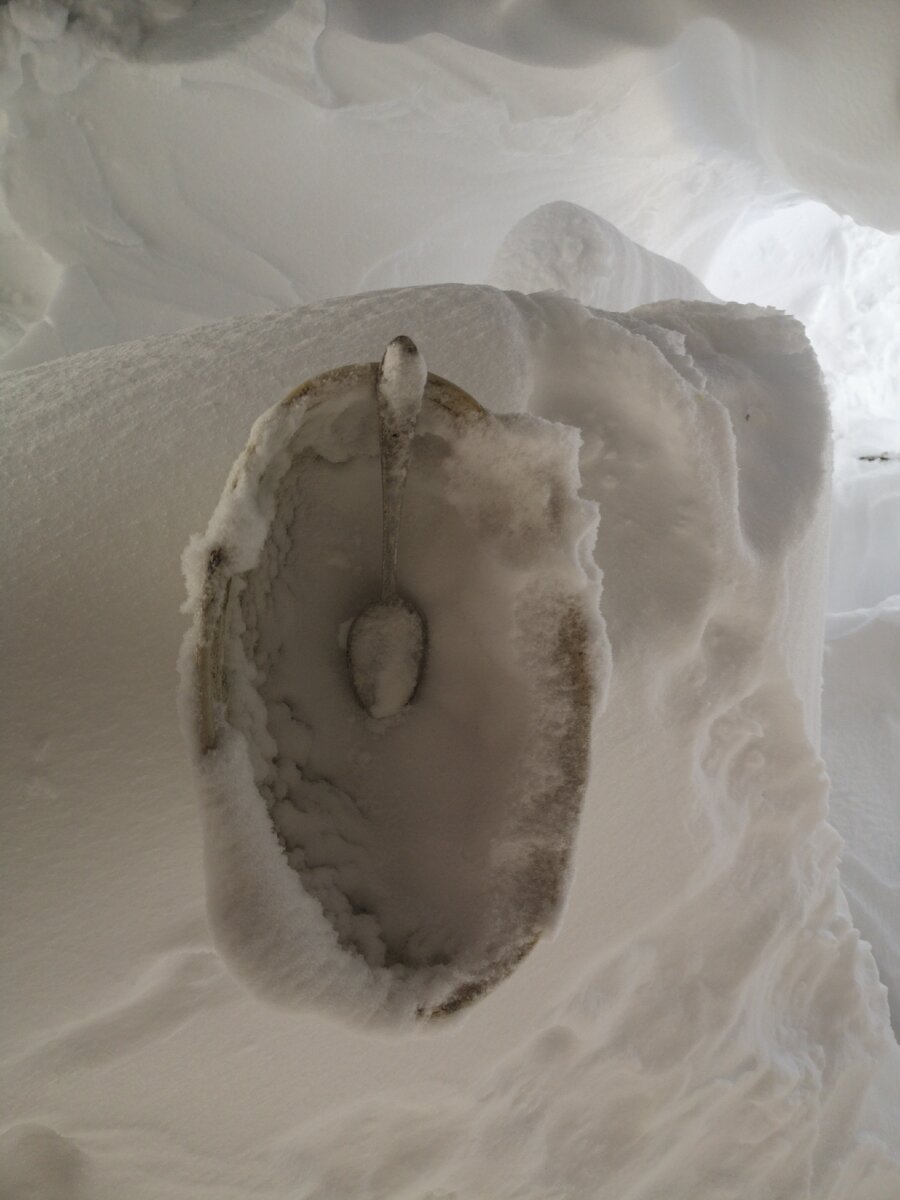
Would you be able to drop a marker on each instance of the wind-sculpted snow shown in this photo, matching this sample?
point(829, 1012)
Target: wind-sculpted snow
point(138, 218)
point(818, 78)
point(563, 247)
point(37, 1161)
point(861, 700)
point(705, 1022)
point(843, 281)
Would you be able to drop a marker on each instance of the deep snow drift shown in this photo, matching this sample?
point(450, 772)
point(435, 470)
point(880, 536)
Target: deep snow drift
point(706, 1018)
point(692, 1030)
point(818, 99)
point(425, 153)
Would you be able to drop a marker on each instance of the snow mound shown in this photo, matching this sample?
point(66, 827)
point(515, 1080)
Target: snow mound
point(705, 1013)
point(63, 39)
point(564, 247)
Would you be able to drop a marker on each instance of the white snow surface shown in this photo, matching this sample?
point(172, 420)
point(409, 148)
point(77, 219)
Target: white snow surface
point(385, 648)
point(707, 1008)
point(564, 248)
point(706, 1022)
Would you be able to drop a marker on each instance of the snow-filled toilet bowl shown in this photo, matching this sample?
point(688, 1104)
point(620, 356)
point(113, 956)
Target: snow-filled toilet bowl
point(385, 870)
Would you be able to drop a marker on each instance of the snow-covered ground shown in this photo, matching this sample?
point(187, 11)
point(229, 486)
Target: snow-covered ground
point(706, 1020)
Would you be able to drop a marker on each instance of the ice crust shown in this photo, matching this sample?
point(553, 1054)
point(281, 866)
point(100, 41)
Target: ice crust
point(706, 1013)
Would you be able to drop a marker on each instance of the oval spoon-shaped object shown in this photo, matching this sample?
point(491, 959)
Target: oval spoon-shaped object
point(386, 643)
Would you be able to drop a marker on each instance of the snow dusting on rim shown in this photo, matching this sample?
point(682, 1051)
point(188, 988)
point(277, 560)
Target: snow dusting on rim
point(706, 1019)
point(331, 884)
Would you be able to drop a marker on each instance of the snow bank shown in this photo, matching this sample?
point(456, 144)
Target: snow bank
point(658, 1045)
point(862, 698)
point(705, 1014)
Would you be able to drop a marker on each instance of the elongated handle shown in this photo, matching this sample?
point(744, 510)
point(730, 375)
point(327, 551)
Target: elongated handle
point(400, 388)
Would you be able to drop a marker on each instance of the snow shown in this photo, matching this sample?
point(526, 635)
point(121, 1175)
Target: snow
point(386, 654)
point(840, 279)
point(691, 961)
point(401, 379)
point(817, 102)
point(700, 1016)
point(386, 642)
point(563, 247)
point(862, 667)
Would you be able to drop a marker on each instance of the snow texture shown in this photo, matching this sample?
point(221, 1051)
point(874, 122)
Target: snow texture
point(564, 247)
point(818, 86)
point(706, 1012)
point(386, 655)
point(705, 1021)
point(66, 36)
point(160, 224)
